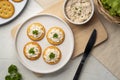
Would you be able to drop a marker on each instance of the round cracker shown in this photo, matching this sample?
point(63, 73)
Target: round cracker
point(53, 42)
point(6, 9)
point(32, 37)
point(38, 46)
point(52, 47)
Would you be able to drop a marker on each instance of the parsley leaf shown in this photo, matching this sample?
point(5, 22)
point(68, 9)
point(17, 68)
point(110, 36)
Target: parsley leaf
point(13, 73)
point(35, 32)
point(12, 68)
point(55, 35)
point(52, 55)
point(31, 51)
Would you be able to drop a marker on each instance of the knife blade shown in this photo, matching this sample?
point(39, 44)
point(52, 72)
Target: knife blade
point(87, 50)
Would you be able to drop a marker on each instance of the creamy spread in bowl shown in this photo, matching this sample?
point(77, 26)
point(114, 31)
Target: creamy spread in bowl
point(78, 11)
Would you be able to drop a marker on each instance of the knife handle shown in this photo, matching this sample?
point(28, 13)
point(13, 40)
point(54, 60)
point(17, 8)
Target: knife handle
point(77, 74)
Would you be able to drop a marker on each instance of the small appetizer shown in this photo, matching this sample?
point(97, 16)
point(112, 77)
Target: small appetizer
point(36, 31)
point(32, 50)
point(55, 35)
point(52, 55)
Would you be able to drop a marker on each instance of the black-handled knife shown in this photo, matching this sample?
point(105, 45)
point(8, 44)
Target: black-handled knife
point(88, 48)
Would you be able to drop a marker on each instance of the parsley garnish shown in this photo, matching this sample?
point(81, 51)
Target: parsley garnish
point(31, 51)
point(55, 35)
point(52, 55)
point(13, 73)
point(35, 32)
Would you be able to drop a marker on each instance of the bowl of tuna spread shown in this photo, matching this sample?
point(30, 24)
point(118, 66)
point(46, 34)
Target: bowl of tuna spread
point(78, 11)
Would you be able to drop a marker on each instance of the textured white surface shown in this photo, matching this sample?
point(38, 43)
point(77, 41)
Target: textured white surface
point(93, 70)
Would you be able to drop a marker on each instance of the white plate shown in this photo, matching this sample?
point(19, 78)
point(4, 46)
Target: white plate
point(19, 6)
point(66, 47)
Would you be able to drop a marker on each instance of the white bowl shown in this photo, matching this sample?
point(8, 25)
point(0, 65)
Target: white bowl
point(64, 12)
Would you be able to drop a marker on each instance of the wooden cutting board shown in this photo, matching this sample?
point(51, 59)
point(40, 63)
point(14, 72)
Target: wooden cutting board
point(81, 33)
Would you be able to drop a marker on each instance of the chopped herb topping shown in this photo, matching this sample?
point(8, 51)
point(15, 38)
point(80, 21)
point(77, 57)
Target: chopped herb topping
point(55, 35)
point(31, 51)
point(52, 55)
point(76, 8)
point(35, 32)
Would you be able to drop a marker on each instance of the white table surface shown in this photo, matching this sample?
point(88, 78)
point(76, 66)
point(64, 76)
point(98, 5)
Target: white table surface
point(93, 70)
